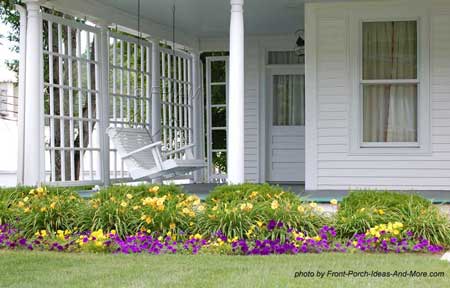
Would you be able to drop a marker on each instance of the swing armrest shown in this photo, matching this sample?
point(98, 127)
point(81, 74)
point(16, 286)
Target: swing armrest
point(128, 155)
point(179, 149)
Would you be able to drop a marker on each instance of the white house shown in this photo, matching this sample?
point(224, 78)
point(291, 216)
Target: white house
point(367, 106)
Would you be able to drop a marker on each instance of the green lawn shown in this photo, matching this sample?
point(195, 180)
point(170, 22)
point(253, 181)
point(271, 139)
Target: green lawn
point(44, 269)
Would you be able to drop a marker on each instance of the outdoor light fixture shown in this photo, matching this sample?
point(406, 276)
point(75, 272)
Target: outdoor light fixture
point(300, 43)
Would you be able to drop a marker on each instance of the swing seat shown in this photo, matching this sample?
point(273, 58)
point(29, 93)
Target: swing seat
point(145, 159)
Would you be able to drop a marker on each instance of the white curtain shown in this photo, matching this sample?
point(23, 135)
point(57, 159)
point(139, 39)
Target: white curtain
point(390, 110)
point(288, 100)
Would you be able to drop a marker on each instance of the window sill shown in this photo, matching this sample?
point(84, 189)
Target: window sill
point(387, 145)
point(411, 149)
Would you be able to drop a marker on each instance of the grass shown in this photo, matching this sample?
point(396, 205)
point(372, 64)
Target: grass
point(47, 269)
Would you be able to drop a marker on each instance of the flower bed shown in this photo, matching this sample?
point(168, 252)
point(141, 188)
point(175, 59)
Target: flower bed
point(152, 243)
point(246, 219)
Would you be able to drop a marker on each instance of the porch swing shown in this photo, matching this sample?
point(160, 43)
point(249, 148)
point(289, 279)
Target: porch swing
point(143, 157)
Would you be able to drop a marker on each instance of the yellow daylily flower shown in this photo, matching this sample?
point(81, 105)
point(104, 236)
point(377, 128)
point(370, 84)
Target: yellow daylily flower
point(275, 204)
point(154, 189)
point(129, 196)
point(246, 207)
point(253, 194)
point(333, 202)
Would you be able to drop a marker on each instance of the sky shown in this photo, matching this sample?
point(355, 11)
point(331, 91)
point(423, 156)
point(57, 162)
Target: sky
point(6, 54)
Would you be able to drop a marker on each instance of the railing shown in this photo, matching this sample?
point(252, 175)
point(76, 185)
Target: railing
point(8, 107)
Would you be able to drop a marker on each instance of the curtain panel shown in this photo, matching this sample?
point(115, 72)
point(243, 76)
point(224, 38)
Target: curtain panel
point(288, 100)
point(389, 53)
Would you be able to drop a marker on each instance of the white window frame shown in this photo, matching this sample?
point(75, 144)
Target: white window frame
point(211, 175)
point(423, 144)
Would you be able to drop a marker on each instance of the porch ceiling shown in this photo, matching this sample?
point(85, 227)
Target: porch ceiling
point(195, 19)
point(208, 18)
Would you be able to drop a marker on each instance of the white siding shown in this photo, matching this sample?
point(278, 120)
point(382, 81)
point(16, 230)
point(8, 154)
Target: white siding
point(334, 164)
point(251, 111)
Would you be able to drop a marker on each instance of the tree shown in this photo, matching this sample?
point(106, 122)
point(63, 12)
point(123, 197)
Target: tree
point(10, 16)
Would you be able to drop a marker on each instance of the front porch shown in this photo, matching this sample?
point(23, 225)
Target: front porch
point(110, 64)
point(298, 98)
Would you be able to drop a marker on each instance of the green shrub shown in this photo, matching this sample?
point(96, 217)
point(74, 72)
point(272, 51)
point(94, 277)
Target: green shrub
point(360, 211)
point(244, 210)
point(129, 209)
point(230, 193)
point(43, 209)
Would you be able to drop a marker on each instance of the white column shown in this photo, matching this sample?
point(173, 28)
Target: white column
point(21, 102)
point(235, 149)
point(156, 95)
point(156, 92)
point(33, 115)
point(103, 44)
point(197, 112)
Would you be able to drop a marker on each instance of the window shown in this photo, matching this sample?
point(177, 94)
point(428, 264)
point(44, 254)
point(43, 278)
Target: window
point(284, 58)
point(288, 100)
point(390, 82)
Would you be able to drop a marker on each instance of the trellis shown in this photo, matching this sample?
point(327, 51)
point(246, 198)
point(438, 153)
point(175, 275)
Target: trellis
point(71, 95)
point(176, 95)
point(78, 60)
point(130, 89)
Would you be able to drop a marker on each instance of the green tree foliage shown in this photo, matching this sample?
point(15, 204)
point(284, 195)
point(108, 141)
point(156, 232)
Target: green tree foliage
point(10, 17)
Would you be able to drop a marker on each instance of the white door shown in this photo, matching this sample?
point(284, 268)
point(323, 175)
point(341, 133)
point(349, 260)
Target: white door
point(286, 141)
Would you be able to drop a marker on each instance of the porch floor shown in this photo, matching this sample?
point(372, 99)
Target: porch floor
point(320, 196)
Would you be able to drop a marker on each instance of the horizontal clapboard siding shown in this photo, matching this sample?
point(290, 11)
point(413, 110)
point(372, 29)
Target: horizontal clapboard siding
point(251, 112)
point(337, 167)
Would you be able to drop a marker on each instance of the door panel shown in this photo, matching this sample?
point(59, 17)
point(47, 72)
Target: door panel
point(287, 130)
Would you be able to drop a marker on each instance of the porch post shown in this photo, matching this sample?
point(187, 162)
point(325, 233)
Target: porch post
point(33, 141)
point(196, 113)
point(235, 149)
point(103, 55)
point(21, 102)
point(156, 95)
point(156, 92)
